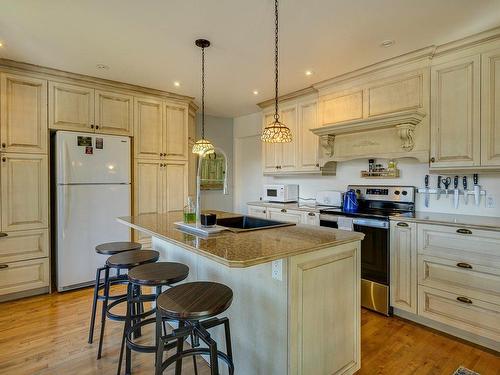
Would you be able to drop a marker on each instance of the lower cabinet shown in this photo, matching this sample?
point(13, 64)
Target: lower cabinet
point(284, 214)
point(24, 275)
point(403, 266)
point(448, 275)
point(22, 245)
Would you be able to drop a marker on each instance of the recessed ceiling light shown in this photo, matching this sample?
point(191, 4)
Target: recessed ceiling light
point(387, 43)
point(309, 73)
point(1, 44)
point(255, 92)
point(177, 83)
point(102, 67)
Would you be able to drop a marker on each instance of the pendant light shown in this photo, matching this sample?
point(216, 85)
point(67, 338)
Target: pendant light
point(203, 146)
point(276, 132)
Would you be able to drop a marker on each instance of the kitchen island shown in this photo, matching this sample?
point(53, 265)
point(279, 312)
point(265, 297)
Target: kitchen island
point(296, 306)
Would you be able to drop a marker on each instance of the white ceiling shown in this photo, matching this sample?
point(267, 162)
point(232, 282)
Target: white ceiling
point(151, 43)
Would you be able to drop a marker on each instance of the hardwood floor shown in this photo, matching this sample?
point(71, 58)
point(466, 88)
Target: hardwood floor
point(48, 335)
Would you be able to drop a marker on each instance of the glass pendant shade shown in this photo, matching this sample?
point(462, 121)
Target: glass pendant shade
point(203, 147)
point(276, 132)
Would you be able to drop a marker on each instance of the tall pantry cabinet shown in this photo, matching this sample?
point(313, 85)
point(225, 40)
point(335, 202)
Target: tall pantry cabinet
point(24, 184)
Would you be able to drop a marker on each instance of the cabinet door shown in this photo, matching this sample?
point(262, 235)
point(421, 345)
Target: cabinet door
point(257, 211)
point(114, 113)
point(24, 181)
point(403, 261)
point(490, 104)
point(310, 218)
point(71, 107)
point(308, 141)
point(23, 114)
point(147, 190)
point(270, 151)
point(148, 128)
point(176, 131)
point(175, 190)
point(455, 113)
point(289, 150)
point(285, 215)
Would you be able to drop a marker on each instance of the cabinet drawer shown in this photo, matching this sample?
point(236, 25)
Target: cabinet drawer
point(461, 244)
point(257, 211)
point(473, 280)
point(478, 317)
point(24, 245)
point(286, 215)
point(20, 276)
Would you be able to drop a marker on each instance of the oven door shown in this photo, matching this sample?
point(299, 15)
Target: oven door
point(374, 264)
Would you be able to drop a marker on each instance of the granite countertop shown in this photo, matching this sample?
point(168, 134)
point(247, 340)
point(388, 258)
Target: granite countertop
point(311, 207)
point(242, 249)
point(472, 221)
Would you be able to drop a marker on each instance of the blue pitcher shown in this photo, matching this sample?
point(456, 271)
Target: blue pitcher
point(350, 201)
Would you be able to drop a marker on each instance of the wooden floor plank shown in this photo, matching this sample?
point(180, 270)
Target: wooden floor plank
point(47, 335)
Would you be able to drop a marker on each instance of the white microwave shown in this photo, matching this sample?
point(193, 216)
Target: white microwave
point(281, 193)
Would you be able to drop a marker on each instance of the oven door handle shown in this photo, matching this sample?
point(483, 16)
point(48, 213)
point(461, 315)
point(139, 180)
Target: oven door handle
point(372, 223)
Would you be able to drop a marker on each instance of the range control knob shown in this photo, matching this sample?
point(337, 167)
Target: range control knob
point(358, 191)
point(396, 192)
point(404, 192)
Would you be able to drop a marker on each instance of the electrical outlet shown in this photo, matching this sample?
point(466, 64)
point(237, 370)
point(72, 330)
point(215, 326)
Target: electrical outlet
point(490, 201)
point(277, 269)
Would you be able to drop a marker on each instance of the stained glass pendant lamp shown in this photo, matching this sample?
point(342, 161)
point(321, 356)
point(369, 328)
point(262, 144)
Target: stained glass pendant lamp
point(203, 146)
point(276, 132)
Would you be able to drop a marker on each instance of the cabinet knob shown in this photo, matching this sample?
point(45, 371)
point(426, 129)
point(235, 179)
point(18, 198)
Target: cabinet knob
point(464, 265)
point(263, 211)
point(311, 214)
point(433, 159)
point(464, 300)
point(4, 159)
point(317, 165)
point(464, 231)
point(283, 210)
point(91, 126)
point(4, 266)
point(4, 145)
point(401, 224)
point(3, 234)
point(97, 126)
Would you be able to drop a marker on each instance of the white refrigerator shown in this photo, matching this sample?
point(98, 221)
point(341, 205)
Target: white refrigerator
point(92, 190)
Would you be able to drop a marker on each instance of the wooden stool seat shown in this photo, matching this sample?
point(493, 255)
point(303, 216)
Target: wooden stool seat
point(160, 273)
point(195, 301)
point(130, 259)
point(112, 248)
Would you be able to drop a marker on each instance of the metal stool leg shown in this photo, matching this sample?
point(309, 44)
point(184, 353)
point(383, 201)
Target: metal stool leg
point(214, 359)
point(229, 350)
point(195, 365)
point(104, 310)
point(159, 345)
point(125, 328)
point(180, 345)
point(94, 304)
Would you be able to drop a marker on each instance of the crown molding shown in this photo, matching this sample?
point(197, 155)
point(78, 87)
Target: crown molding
point(289, 96)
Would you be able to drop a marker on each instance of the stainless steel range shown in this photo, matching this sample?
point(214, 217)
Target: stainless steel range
point(376, 205)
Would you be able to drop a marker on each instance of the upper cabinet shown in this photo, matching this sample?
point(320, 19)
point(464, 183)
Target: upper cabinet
point(300, 155)
point(490, 108)
point(114, 113)
point(161, 129)
point(465, 101)
point(148, 128)
point(83, 108)
point(23, 112)
point(71, 107)
point(176, 131)
point(455, 112)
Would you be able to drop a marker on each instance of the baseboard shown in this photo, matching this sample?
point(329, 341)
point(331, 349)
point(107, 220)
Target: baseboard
point(464, 335)
point(24, 294)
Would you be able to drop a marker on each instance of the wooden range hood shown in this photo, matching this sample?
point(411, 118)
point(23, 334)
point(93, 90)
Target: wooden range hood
point(391, 136)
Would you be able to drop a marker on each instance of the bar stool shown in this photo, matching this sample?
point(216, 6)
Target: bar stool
point(108, 248)
point(194, 305)
point(122, 261)
point(153, 275)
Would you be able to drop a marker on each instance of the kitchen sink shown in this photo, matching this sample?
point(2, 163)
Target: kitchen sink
point(248, 223)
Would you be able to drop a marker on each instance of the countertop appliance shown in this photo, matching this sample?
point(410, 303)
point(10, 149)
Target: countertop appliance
point(376, 205)
point(282, 193)
point(331, 198)
point(92, 189)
